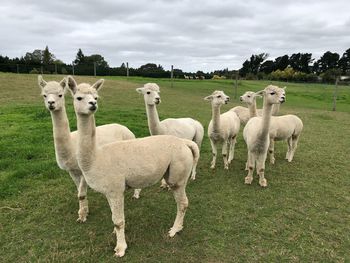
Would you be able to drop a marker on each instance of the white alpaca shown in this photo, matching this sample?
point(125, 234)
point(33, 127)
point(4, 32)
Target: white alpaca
point(185, 128)
point(138, 163)
point(223, 128)
point(244, 114)
point(66, 141)
point(286, 127)
point(256, 134)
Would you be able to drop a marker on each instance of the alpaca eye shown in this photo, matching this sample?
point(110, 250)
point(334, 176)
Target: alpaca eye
point(79, 98)
point(248, 96)
point(60, 95)
point(273, 93)
point(148, 92)
point(96, 98)
point(44, 96)
point(219, 96)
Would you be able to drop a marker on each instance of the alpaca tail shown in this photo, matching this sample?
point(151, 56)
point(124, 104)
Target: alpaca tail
point(195, 152)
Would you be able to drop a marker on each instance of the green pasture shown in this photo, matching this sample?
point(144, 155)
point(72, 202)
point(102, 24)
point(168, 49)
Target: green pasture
point(302, 216)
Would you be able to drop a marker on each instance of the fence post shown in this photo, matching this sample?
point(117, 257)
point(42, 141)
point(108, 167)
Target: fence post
point(56, 69)
point(335, 94)
point(172, 75)
point(73, 68)
point(17, 68)
point(41, 69)
point(127, 69)
point(95, 69)
point(235, 84)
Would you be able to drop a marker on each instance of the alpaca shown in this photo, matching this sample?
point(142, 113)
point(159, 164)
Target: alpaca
point(111, 168)
point(243, 113)
point(256, 134)
point(223, 128)
point(286, 127)
point(66, 142)
point(185, 128)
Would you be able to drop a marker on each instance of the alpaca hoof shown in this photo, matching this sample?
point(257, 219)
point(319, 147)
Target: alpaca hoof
point(172, 232)
point(212, 166)
point(248, 180)
point(164, 186)
point(290, 160)
point(272, 161)
point(82, 217)
point(136, 196)
point(120, 251)
point(226, 167)
point(193, 177)
point(263, 182)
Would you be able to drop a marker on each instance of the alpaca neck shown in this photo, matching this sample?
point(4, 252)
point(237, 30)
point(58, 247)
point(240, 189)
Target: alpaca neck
point(275, 109)
point(252, 109)
point(87, 141)
point(61, 134)
point(216, 118)
point(153, 120)
point(266, 119)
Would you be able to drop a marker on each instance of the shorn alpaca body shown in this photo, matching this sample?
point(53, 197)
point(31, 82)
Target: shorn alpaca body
point(286, 127)
point(256, 134)
point(185, 128)
point(138, 163)
point(223, 128)
point(66, 142)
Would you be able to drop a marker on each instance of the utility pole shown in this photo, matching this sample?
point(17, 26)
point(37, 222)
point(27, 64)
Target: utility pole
point(95, 69)
point(172, 75)
point(73, 68)
point(335, 94)
point(56, 69)
point(17, 68)
point(235, 83)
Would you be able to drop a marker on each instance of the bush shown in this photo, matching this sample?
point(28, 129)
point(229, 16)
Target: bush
point(34, 71)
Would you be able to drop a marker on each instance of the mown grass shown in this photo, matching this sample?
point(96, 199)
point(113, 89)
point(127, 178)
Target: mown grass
point(303, 215)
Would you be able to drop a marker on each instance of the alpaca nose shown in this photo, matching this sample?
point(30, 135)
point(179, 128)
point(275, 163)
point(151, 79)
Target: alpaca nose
point(240, 98)
point(227, 98)
point(93, 103)
point(51, 102)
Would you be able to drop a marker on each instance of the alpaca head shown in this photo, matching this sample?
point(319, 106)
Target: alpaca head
point(249, 97)
point(273, 94)
point(218, 98)
point(53, 93)
point(150, 93)
point(84, 95)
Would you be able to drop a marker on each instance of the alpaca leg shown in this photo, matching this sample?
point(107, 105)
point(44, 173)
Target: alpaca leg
point(116, 203)
point(272, 151)
point(215, 152)
point(137, 193)
point(289, 142)
point(250, 164)
point(193, 173)
point(225, 147)
point(182, 204)
point(232, 149)
point(260, 169)
point(81, 185)
point(163, 184)
point(294, 147)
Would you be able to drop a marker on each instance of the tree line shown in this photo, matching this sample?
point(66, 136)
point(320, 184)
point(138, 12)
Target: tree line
point(43, 61)
point(297, 67)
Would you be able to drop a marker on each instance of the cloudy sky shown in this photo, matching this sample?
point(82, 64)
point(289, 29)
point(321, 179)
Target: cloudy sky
point(191, 35)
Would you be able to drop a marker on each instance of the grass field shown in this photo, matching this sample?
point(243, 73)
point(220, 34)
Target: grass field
point(303, 215)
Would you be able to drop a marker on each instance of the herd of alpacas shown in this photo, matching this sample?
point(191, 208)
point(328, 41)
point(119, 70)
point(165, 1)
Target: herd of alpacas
point(109, 159)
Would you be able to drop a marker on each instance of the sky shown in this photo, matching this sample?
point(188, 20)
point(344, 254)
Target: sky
point(191, 35)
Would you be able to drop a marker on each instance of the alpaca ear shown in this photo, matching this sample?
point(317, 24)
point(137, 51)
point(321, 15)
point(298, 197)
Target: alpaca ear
point(260, 93)
point(257, 95)
point(284, 88)
point(63, 83)
point(139, 90)
point(98, 84)
point(42, 83)
point(72, 85)
point(208, 98)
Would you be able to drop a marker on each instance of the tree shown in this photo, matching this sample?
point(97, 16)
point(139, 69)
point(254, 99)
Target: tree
point(301, 62)
point(34, 58)
point(344, 62)
point(47, 56)
point(267, 67)
point(253, 65)
point(282, 62)
point(80, 58)
point(98, 59)
point(328, 61)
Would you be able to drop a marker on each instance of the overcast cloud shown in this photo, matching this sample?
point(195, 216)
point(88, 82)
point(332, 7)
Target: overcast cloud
point(191, 35)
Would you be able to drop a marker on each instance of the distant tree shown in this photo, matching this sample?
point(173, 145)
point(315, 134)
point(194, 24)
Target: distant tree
point(34, 58)
point(267, 67)
point(149, 67)
point(47, 56)
point(282, 62)
point(344, 62)
point(328, 61)
point(253, 64)
point(80, 58)
point(301, 62)
point(98, 59)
